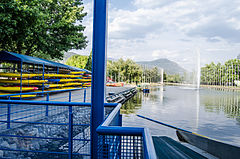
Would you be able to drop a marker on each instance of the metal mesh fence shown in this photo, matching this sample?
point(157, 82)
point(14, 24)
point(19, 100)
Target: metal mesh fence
point(41, 131)
point(124, 147)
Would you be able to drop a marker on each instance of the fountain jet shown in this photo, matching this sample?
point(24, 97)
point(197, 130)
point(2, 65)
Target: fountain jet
point(198, 69)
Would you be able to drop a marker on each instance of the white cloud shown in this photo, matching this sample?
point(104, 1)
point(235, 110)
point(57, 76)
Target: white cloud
point(151, 29)
point(151, 3)
point(164, 54)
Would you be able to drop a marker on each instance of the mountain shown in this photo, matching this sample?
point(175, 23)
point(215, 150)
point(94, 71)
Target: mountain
point(169, 67)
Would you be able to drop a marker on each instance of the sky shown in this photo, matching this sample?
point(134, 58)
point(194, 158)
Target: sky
point(144, 30)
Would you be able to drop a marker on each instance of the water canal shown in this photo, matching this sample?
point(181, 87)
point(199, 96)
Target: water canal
point(210, 112)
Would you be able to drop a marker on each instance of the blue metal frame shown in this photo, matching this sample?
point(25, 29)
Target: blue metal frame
point(99, 127)
point(70, 124)
point(55, 103)
point(112, 127)
point(45, 92)
point(98, 70)
point(21, 79)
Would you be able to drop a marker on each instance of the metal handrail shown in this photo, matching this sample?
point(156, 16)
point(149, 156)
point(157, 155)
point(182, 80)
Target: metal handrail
point(106, 129)
point(55, 103)
point(29, 93)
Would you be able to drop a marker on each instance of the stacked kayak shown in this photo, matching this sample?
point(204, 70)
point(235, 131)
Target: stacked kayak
point(14, 83)
point(17, 88)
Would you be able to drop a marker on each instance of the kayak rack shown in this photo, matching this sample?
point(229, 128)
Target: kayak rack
point(21, 73)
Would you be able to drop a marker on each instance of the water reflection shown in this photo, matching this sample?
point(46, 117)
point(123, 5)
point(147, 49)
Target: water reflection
point(197, 108)
point(208, 112)
point(227, 102)
point(133, 104)
point(155, 95)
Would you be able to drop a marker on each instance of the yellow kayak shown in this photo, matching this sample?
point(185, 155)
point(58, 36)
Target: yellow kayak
point(17, 89)
point(62, 85)
point(76, 73)
point(23, 81)
point(23, 96)
point(18, 75)
point(61, 76)
point(87, 85)
point(52, 85)
point(57, 89)
point(71, 84)
point(72, 80)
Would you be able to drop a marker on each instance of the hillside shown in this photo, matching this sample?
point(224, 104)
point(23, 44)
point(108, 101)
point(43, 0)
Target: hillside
point(68, 55)
point(169, 67)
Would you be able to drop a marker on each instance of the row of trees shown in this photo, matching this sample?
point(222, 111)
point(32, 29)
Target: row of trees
point(42, 28)
point(221, 74)
point(130, 72)
point(176, 78)
point(124, 71)
point(120, 70)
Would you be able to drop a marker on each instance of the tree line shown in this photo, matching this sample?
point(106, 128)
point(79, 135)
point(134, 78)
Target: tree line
point(131, 72)
point(221, 74)
point(120, 70)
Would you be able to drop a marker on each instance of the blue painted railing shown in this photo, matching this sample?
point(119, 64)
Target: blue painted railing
point(41, 93)
point(113, 140)
point(61, 114)
point(116, 141)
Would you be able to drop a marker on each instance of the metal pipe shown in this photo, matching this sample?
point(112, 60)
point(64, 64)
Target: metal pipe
point(43, 78)
point(84, 95)
point(47, 105)
point(28, 93)
point(55, 103)
point(9, 116)
point(70, 134)
point(21, 80)
point(98, 70)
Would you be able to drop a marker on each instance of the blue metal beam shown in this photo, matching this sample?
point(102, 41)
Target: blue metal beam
point(106, 129)
point(98, 70)
point(28, 93)
point(56, 103)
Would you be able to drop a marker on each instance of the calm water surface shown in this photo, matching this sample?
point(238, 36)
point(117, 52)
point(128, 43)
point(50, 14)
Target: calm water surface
point(210, 112)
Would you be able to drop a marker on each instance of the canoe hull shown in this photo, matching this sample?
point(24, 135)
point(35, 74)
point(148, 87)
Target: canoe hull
point(214, 147)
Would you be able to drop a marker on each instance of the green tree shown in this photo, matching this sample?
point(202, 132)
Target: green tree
point(43, 28)
point(221, 74)
point(127, 71)
point(77, 61)
point(89, 62)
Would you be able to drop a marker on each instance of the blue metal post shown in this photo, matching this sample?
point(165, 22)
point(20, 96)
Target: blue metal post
point(98, 71)
point(70, 96)
point(84, 95)
point(70, 135)
point(9, 115)
point(47, 105)
point(57, 73)
point(70, 129)
point(21, 80)
point(43, 78)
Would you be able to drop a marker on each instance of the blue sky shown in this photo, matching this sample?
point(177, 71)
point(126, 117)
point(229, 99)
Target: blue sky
point(173, 29)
